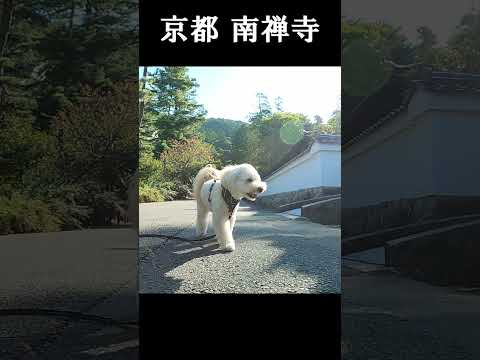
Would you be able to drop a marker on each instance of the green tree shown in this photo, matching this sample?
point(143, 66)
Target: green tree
point(146, 118)
point(333, 125)
point(171, 175)
point(426, 41)
point(219, 133)
point(263, 104)
point(173, 112)
point(368, 49)
point(386, 39)
point(247, 146)
point(463, 53)
point(266, 139)
point(50, 50)
point(280, 131)
point(263, 109)
point(97, 137)
point(278, 104)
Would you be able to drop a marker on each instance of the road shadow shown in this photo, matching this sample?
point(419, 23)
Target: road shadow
point(308, 257)
point(302, 250)
point(156, 261)
point(316, 260)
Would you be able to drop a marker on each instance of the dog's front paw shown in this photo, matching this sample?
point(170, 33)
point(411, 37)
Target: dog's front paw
point(229, 247)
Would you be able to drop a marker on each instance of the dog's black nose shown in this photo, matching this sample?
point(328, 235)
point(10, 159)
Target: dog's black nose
point(260, 189)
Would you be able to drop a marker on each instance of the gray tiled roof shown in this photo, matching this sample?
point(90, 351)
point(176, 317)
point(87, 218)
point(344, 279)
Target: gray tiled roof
point(394, 97)
point(440, 81)
point(328, 139)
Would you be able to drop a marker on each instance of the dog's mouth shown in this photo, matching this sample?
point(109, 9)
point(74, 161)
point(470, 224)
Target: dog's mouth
point(252, 195)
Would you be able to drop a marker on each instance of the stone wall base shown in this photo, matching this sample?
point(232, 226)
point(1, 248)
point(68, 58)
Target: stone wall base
point(326, 212)
point(446, 256)
point(402, 212)
point(276, 200)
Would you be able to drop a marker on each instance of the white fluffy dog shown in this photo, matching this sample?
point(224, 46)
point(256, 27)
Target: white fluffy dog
point(219, 192)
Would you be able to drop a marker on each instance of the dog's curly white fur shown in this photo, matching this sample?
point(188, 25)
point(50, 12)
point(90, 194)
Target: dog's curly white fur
point(243, 181)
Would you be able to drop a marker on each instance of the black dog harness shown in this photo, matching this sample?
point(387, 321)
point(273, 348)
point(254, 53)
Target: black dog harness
point(227, 197)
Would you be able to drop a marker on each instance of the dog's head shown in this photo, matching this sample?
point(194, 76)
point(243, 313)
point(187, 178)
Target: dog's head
point(243, 181)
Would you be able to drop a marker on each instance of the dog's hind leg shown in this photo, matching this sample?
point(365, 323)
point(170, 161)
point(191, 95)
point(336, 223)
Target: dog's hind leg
point(202, 219)
point(223, 231)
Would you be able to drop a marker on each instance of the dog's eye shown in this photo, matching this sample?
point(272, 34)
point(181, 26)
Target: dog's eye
point(249, 180)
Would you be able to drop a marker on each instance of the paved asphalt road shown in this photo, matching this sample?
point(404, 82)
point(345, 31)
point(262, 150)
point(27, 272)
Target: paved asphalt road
point(69, 295)
point(388, 316)
point(274, 254)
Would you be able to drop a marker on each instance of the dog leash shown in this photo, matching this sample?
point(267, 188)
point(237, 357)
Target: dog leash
point(173, 237)
point(231, 202)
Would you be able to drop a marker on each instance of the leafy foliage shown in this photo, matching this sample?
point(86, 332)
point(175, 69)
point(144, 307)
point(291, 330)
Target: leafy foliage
point(20, 213)
point(370, 48)
point(170, 153)
point(170, 176)
point(332, 126)
point(148, 193)
point(171, 112)
point(154, 186)
point(267, 138)
point(219, 133)
point(99, 133)
point(462, 52)
point(183, 161)
point(67, 146)
point(97, 136)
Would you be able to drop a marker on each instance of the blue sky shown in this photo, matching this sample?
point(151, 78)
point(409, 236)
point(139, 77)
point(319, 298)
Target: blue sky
point(230, 92)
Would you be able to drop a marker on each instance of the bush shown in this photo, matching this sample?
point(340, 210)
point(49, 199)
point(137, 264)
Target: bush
point(182, 161)
point(20, 214)
point(65, 202)
point(148, 193)
point(97, 138)
point(154, 186)
point(170, 177)
point(151, 171)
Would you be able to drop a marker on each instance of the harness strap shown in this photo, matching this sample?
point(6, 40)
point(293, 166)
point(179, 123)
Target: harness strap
point(230, 201)
point(227, 197)
point(210, 191)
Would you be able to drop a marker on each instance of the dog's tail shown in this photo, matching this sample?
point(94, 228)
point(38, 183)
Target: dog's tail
point(206, 173)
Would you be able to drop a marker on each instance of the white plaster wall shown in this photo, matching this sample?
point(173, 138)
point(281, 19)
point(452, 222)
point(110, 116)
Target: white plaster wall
point(392, 163)
point(456, 145)
point(433, 148)
point(320, 168)
point(332, 168)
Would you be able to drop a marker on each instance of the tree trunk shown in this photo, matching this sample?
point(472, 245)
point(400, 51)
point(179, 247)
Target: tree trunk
point(6, 22)
point(142, 99)
point(72, 15)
